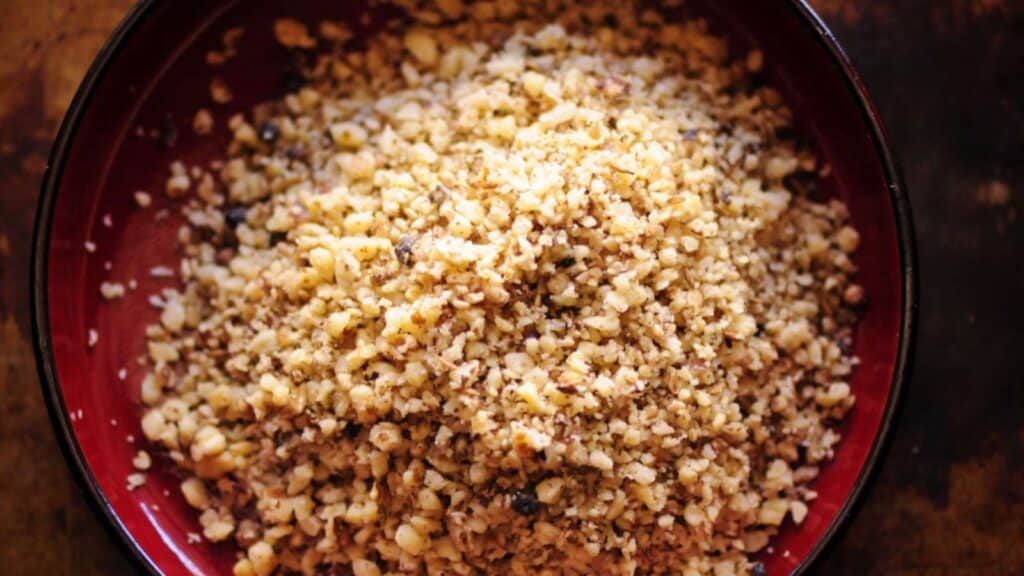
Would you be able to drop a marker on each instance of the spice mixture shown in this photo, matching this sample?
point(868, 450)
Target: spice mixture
point(512, 288)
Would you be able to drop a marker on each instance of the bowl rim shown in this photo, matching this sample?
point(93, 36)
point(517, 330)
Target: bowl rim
point(39, 297)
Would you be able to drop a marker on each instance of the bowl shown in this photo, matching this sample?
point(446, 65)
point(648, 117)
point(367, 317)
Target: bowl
point(131, 118)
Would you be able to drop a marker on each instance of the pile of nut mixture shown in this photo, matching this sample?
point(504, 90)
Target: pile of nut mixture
point(528, 287)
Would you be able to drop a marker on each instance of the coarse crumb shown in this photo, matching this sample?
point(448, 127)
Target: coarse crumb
point(510, 290)
point(219, 91)
point(112, 290)
point(202, 122)
point(92, 337)
point(142, 199)
point(135, 481)
point(179, 182)
point(337, 32)
point(90, 246)
point(230, 40)
point(291, 33)
point(142, 460)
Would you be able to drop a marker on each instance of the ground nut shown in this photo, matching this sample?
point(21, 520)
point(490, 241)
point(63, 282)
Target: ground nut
point(848, 239)
point(262, 557)
point(195, 493)
point(530, 288)
point(773, 512)
point(422, 46)
point(173, 315)
point(208, 441)
point(410, 540)
point(386, 436)
point(150, 390)
point(550, 490)
point(153, 425)
point(362, 567)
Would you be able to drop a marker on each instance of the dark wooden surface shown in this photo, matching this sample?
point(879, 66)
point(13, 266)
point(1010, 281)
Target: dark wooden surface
point(948, 77)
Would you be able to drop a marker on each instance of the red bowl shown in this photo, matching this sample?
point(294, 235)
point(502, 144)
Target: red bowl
point(151, 75)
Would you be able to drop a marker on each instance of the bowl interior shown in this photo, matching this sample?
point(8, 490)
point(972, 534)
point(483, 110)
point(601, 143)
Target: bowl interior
point(157, 78)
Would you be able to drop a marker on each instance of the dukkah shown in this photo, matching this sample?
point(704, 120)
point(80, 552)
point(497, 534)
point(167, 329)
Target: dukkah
point(513, 288)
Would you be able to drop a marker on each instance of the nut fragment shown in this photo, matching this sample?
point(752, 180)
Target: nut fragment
point(112, 290)
point(853, 295)
point(202, 122)
point(262, 558)
point(422, 46)
point(142, 460)
point(293, 34)
point(410, 540)
point(219, 91)
point(195, 493)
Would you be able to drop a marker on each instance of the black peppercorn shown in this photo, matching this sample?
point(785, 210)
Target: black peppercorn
point(235, 215)
point(525, 503)
point(758, 569)
point(269, 132)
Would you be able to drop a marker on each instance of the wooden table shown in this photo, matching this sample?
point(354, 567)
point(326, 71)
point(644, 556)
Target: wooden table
point(947, 76)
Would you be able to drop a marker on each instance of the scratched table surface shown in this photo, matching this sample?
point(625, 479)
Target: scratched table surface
point(948, 77)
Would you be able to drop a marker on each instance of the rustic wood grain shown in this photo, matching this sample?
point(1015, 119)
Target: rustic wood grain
point(47, 527)
point(947, 78)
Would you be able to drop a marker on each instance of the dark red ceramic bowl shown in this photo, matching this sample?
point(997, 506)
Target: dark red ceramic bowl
point(151, 77)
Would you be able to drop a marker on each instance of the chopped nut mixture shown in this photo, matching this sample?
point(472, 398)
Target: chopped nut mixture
point(522, 288)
